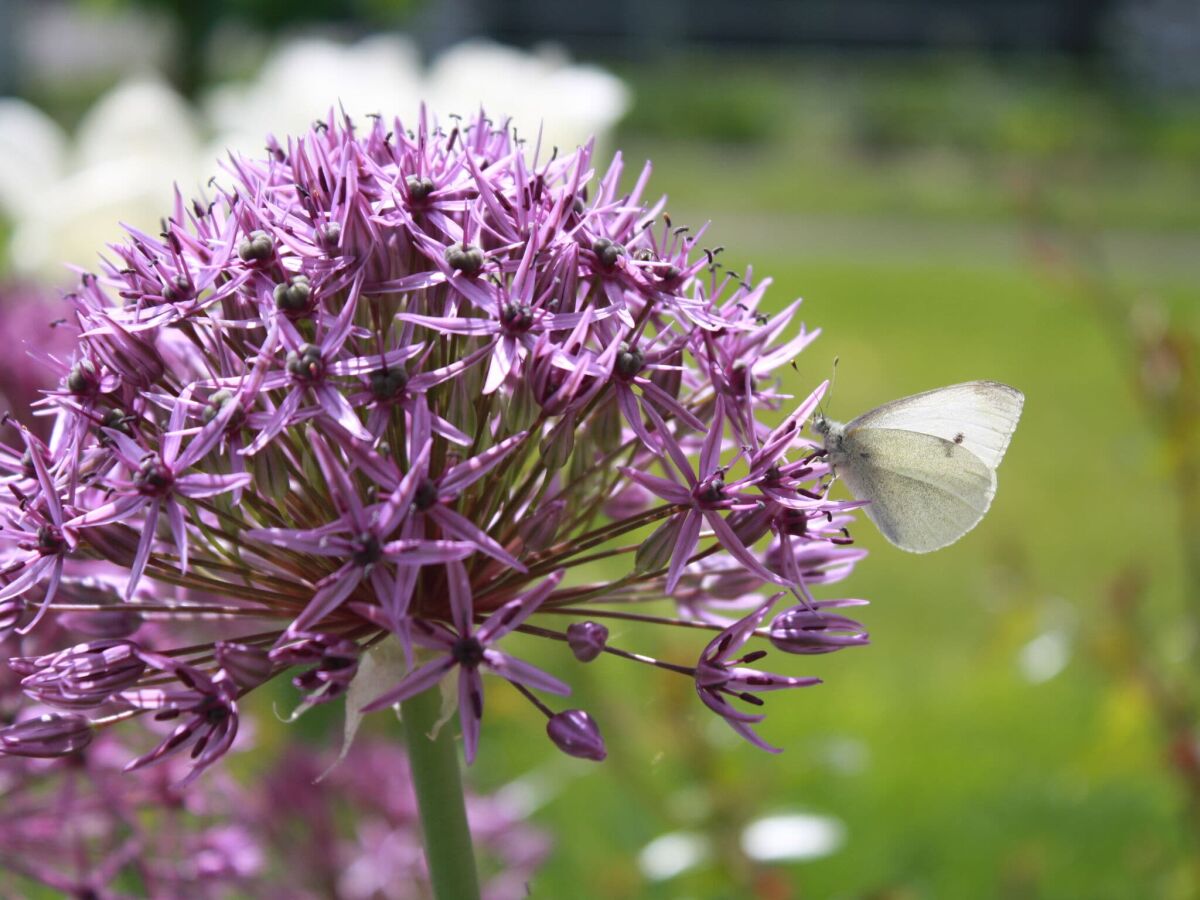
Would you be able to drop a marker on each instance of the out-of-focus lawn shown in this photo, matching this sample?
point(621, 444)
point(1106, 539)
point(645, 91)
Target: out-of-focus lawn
point(956, 771)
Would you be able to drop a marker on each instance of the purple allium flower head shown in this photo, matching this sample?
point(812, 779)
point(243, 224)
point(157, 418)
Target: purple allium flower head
point(419, 382)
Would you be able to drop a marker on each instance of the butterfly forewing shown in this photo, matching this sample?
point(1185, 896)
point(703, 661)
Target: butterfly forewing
point(979, 416)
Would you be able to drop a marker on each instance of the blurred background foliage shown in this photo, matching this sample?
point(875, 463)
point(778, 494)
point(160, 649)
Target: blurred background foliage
point(977, 205)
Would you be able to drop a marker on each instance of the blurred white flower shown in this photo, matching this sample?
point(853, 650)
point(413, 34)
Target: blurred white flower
point(1045, 656)
point(670, 855)
point(67, 202)
point(32, 152)
point(792, 837)
point(569, 102)
point(302, 79)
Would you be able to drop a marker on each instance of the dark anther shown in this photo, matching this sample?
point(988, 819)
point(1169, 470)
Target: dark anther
point(426, 495)
point(154, 477)
point(367, 550)
point(516, 317)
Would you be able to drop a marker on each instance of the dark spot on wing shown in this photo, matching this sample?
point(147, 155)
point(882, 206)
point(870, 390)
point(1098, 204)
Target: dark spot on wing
point(959, 438)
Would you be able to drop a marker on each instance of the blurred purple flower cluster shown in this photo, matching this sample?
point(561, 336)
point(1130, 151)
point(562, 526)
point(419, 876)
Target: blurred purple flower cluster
point(84, 828)
point(405, 388)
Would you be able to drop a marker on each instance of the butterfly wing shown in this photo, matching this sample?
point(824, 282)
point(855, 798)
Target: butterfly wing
point(979, 416)
point(925, 492)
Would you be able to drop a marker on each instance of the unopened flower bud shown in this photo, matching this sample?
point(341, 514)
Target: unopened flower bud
point(655, 553)
point(11, 611)
point(46, 736)
point(807, 631)
point(83, 676)
point(586, 639)
point(575, 733)
point(247, 664)
point(539, 531)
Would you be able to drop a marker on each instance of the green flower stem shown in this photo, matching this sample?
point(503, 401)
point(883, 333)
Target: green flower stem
point(438, 784)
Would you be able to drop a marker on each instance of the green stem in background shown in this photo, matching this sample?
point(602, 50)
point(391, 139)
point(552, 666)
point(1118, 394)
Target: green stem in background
point(438, 784)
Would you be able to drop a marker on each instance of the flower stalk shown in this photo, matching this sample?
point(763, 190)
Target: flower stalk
point(437, 782)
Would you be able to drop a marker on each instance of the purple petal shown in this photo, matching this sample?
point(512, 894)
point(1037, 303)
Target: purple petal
point(470, 710)
point(464, 529)
point(467, 473)
point(517, 610)
point(523, 673)
point(416, 681)
point(203, 485)
point(333, 591)
point(334, 405)
point(668, 490)
point(461, 608)
point(689, 535)
point(143, 550)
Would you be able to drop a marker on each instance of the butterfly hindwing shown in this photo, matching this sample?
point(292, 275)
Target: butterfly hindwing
point(925, 492)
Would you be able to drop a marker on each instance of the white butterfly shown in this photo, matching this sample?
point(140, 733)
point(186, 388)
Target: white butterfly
point(926, 463)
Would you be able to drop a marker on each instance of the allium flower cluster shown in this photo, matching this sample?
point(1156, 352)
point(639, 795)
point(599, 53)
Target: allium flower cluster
point(423, 387)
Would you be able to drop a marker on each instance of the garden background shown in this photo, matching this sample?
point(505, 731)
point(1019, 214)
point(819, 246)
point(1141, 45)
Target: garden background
point(972, 199)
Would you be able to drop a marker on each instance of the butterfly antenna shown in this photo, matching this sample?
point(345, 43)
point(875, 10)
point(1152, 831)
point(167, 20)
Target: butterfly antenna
point(822, 407)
